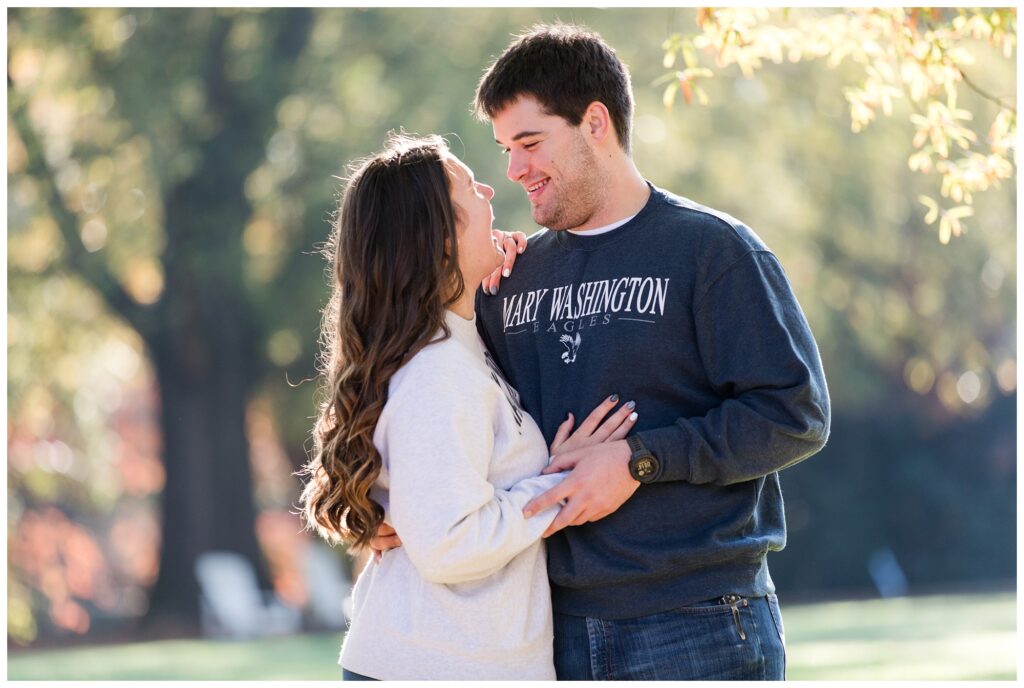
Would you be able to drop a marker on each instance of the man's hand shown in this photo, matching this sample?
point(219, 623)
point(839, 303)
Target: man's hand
point(513, 243)
point(599, 484)
point(386, 538)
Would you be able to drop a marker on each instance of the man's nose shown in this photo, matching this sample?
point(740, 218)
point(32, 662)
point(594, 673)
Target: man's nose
point(516, 166)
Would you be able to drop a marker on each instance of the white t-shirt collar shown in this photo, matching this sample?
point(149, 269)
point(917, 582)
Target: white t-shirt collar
point(601, 230)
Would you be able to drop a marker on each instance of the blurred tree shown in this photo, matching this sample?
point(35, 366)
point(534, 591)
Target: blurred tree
point(192, 99)
point(920, 53)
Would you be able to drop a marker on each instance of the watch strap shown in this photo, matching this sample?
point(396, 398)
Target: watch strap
point(643, 464)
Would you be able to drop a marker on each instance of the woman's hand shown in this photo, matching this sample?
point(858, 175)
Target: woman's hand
point(592, 430)
point(384, 539)
point(513, 243)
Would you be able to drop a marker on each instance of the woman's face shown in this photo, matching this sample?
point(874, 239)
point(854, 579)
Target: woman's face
point(479, 253)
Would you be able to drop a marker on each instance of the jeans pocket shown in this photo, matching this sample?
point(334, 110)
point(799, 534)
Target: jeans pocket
point(733, 607)
point(773, 607)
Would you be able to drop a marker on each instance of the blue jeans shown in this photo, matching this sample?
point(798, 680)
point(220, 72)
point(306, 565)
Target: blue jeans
point(730, 638)
point(347, 675)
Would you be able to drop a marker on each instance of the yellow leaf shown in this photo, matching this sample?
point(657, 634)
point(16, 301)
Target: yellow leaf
point(697, 72)
point(955, 225)
point(689, 56)
point(920, 161)
point(960, 211)
point(669, 96)
point(933, 208)
point(746, 68)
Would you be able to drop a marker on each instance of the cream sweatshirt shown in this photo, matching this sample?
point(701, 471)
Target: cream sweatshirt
point(466, 596)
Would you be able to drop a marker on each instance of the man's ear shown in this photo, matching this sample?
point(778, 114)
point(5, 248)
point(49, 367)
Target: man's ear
point(597, 122)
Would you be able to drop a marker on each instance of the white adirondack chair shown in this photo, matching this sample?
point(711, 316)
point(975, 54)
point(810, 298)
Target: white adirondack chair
point(231, 603)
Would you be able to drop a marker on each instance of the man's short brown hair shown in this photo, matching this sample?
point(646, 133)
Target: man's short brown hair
point(565, 68)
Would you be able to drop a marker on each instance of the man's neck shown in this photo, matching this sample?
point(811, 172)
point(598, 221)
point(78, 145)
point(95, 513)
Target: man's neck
point(626, 193)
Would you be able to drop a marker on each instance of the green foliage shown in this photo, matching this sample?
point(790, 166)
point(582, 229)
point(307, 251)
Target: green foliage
point(917, 53)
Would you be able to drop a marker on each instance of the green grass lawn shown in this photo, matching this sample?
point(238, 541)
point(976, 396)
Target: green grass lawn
point(963, 637)
point(924, 638)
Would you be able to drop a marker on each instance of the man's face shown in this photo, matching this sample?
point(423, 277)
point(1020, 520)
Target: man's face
point(552, 161)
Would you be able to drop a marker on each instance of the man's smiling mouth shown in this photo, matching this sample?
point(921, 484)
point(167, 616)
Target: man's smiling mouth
point(534, 188)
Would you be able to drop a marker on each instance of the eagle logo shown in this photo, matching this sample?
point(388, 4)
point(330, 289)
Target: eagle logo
point(571, 344)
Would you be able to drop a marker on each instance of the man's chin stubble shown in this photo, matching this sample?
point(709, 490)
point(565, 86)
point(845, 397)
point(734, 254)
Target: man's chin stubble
point(554, 221)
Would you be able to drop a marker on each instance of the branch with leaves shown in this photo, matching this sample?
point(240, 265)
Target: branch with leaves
point(916, 53)
point(89, 266)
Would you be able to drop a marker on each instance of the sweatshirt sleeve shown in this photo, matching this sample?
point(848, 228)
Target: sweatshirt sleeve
point(454, 524)
point(760, 357)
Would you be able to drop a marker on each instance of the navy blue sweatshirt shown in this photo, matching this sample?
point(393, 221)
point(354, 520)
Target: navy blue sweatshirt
point(684, 310)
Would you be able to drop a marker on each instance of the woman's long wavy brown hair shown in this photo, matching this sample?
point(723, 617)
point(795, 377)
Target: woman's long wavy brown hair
point(394, 252)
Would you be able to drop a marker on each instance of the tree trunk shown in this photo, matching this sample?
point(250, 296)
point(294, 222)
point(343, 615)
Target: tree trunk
point(207, 500)
point(205, 371)
point(204, 349)
point(204, 355)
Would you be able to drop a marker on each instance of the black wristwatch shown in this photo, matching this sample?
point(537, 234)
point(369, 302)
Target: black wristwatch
point(643, 465)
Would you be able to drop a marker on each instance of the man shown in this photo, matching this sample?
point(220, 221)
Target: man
point(657, 559)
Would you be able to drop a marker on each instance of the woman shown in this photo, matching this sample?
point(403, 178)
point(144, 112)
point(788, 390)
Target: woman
point(420, 431)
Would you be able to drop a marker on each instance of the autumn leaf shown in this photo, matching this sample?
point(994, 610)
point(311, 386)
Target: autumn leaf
point(669, 96)
point(933, 208)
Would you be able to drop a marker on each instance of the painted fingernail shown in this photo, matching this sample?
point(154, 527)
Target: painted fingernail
point(632, 417)
point(506, 272)
point(494, 291)
point(630, 404)
point(614, 398)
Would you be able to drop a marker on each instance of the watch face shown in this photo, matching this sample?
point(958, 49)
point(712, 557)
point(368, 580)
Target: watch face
point(644, 467)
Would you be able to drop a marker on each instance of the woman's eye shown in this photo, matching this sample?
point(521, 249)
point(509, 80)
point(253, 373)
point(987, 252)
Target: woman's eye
point(530, 146)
